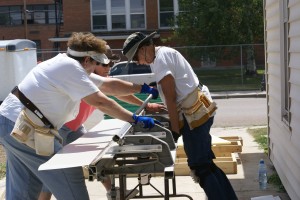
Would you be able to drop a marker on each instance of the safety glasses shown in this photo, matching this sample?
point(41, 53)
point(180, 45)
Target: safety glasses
point(104, 65)
point(101, 64)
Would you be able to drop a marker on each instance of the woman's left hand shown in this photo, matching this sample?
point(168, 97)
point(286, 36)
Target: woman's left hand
point(155, 107)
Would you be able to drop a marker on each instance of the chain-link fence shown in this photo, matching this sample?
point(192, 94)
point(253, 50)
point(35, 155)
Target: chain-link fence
point(220, 67)
point(230, 67)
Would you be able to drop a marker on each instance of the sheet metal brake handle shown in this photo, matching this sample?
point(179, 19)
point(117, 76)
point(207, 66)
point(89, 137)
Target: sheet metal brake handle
point(142, 107)
point(118, 138)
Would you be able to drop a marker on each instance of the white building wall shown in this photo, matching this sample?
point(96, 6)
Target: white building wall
point(284, 139)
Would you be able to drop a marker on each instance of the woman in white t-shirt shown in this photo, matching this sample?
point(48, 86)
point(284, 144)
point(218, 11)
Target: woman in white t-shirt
point(74, 129)
point(56, 87)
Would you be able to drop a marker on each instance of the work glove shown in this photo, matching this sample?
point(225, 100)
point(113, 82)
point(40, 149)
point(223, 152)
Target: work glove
point(146, 122)
point(175, 136)
point(146, 89)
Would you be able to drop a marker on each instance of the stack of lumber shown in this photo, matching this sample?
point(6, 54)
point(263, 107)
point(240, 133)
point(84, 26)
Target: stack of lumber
point(226, 150)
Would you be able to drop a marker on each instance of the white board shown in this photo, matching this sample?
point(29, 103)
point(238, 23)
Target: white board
point(87, 148)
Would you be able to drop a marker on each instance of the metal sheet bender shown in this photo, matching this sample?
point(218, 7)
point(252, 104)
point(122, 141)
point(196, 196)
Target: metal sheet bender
point(142, 152)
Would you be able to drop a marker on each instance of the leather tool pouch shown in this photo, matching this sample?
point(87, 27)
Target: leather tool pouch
point(196, 108)
point(44, 141)
point(29, 133)
point(23, 129)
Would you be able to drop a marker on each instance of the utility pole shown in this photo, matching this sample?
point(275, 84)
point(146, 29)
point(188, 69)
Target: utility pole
point(25, 18)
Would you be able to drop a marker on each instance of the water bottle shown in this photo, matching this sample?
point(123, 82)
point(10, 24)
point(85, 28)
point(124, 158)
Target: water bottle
point(262, 175)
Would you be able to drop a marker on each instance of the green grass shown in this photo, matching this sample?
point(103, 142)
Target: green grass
point(260, 136)
point(229, 79)
point(2, 170)
point(275, 180)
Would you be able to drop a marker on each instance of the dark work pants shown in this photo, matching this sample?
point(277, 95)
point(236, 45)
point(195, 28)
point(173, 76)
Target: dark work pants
point(197, 146)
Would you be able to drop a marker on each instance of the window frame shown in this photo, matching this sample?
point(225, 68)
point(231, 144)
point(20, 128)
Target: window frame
point(285, 70)
point(175, 13)
point(32, 14)
point(109, 16)
point(9, 12)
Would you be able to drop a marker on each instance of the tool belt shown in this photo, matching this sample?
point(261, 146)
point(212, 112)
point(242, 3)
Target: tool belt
point(28, 104)
point(196, 108)
point(30, 131)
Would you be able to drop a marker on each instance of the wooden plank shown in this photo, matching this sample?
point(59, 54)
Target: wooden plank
point(180, 153)
point(218, 140)
point(223, 150)
point(222, 154)
point(227, 164)
point(235, 146)
point(233, 138)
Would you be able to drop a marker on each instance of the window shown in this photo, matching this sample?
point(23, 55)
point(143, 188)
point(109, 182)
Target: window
point(122, 68)
point(118, 14)
point(41, 14)
point(139, 69)
point(137, 11)
point(99, 14)
point(10, 15)
point(35, 14)
point(285, 63)
point(167, 11)
point(119, 69)
point(52, 13)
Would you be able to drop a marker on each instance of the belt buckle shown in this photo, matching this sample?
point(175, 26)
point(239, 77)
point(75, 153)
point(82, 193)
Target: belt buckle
point(200, 86)
point(15, 91)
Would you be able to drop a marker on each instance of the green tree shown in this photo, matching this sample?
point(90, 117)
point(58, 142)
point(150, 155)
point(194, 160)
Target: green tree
point(221, 22)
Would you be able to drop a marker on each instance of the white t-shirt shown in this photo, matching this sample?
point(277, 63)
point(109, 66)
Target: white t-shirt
point(56, 87)
point(97, 80)
point(169, 61)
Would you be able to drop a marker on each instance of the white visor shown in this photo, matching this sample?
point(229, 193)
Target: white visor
point(99, 57)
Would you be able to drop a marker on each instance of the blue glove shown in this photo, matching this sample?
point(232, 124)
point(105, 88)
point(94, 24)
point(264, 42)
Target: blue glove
point(148, 122)
point(146, 89)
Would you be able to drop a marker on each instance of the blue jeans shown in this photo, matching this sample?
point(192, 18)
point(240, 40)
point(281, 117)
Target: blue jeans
point(24, 181)
point(197, 146)
point(70, 136)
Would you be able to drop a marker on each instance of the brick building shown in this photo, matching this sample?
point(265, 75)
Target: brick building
point(50, 22)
